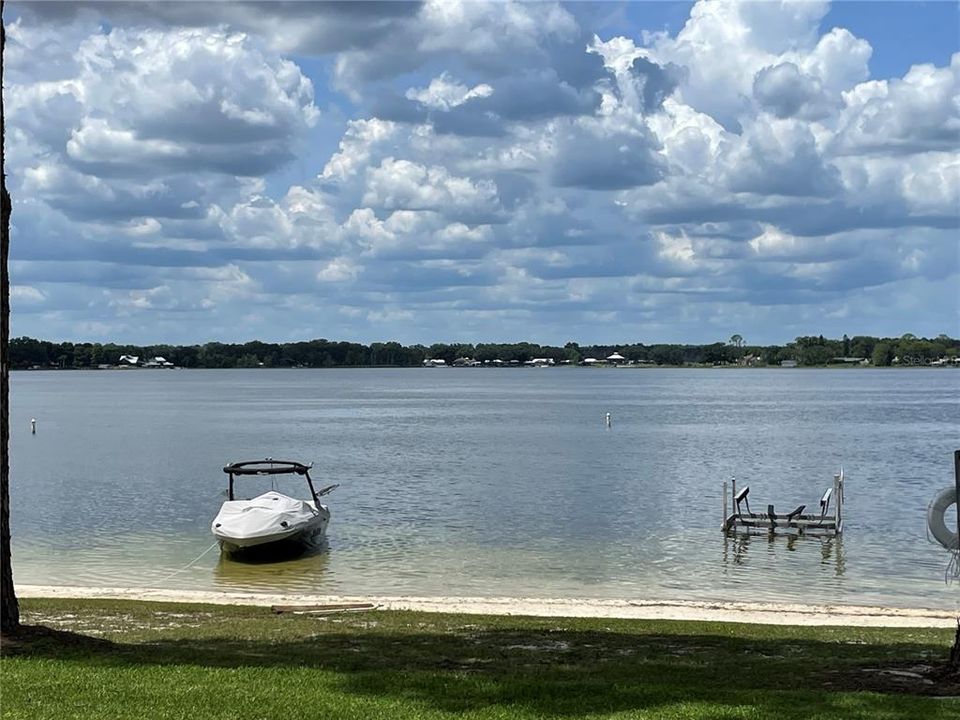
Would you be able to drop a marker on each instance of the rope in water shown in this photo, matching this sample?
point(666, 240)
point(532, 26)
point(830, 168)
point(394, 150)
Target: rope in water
point(187, 566)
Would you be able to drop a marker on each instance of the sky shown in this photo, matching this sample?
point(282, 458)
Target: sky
point(483, 172)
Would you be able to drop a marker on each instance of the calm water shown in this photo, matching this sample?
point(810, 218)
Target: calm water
point(492, 482)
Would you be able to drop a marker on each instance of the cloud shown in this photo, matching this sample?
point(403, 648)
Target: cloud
point(589, 157)
point(26, 295)
point(356, 147)
point(215, 100)
point(302, 219)
point(153, 124)
point(479, 168)
point(918, 113)
point(491, 38)
point(785, 91)
point(404, 185)
point(443, 93)
point(724, 45)
point(290, 27)
point(780, 157)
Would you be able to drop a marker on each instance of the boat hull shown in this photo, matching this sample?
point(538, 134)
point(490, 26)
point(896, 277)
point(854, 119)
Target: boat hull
point(300, 538)
point(282, 549)
point(271, 522)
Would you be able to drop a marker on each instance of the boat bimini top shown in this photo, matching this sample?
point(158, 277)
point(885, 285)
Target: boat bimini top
point(269, 466)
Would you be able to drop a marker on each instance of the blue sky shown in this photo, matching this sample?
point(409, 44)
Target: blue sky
point(599, 172)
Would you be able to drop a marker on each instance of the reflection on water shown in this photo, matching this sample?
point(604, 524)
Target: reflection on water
point(772, 553)
point(297, 572)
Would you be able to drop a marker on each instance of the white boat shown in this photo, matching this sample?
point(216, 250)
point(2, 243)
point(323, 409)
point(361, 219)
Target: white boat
point(271, 522)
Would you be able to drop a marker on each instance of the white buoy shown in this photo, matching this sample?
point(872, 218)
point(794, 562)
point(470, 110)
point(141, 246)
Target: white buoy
point(33, 426)
point(608, 419)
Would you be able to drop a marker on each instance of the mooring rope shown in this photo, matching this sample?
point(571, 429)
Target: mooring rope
point(187, 566)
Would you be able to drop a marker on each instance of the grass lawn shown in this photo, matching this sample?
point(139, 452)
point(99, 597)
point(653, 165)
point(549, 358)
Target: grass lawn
point(120, 659)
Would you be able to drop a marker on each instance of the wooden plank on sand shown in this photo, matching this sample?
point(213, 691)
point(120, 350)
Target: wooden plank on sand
point(335, 607)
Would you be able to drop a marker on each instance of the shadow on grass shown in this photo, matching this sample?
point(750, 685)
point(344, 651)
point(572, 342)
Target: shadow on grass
point(40, 640)
point(565, 672)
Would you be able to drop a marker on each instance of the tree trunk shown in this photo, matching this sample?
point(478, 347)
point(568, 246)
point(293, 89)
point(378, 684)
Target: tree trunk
point(9, 607)
point(955, 650)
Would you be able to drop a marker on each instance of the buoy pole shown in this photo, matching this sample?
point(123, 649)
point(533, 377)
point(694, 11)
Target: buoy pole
point(33, 426)
point(608, 419)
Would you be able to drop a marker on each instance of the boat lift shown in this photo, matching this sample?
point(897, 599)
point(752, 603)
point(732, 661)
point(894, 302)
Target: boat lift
point(741, 520)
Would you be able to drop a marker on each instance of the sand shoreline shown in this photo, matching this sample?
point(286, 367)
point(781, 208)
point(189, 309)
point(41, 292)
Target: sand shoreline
point(762, 613)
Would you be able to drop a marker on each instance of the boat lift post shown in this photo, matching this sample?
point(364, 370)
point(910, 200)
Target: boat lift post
point(723, 524)
point(838, 500)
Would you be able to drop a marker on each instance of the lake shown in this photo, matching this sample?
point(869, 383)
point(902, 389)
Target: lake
point(492, 482)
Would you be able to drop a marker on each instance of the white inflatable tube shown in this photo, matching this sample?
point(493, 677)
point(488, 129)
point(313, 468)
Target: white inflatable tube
point(936, 519)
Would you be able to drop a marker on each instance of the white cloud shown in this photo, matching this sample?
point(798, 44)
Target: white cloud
point(917, 113)
point(356, 147)
point(405, 185)
point(932, 184)
point(26, 295)
point(147, 102)
point(444, 93)
point(483, 35)
point(838, 62)
point(724, 45)
point(223, 284)
point(338, 270)
point(780, 157)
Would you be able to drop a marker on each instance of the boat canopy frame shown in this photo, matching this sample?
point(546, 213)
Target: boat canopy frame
point(269, 466)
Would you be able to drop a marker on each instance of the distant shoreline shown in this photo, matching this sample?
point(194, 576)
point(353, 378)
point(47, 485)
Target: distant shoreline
point(806, 351)
point(522, 367)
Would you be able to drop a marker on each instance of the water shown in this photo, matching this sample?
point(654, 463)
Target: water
point(491, 482)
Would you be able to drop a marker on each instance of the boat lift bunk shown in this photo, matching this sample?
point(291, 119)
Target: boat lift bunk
point(742, 520)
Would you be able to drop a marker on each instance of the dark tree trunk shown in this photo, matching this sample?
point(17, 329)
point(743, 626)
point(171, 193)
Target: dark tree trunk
point(955, 650)
point(9, 607)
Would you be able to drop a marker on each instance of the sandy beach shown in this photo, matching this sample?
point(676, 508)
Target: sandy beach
point(764, 613)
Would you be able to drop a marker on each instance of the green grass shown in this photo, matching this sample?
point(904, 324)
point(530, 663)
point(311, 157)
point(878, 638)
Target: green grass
point(158, 660)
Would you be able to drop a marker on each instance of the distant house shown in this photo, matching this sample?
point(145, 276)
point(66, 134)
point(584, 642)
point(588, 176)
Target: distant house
point(159, 362)
point(436, 362)
point(615, 359)
point(590, 361)
point(850, 361)
point(129, 360)
point(541, 362)
point(788, 363)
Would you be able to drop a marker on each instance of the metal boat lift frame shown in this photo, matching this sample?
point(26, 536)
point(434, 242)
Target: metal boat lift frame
point(269, 466)
point(742, 521)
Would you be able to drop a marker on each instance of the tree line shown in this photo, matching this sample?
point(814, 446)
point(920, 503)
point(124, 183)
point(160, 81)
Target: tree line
point(25, 352)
